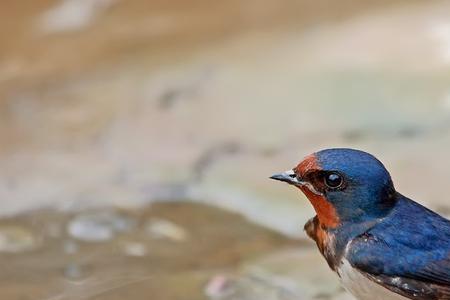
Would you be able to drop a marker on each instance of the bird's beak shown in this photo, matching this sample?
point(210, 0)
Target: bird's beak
point(288, 177)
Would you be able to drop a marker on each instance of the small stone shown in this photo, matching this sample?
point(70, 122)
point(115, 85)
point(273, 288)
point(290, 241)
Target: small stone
point(218, 287)
point(71, 15)
point(165, 229)
point(98, 227)
point(16, 239)
point(248, 288)
point(135, 249)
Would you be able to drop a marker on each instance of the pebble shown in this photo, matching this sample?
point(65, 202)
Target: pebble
point(14, 239)
point(135, 249)
point(247, 288)
point(218, 287)
point(165, 229)
point(99, 226)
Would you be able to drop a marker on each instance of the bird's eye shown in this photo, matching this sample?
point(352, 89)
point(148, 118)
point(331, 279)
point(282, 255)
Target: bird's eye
point(333, 180)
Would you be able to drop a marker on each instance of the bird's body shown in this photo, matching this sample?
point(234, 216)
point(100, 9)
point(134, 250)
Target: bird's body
point(362, 287)
point(406, 253)
point(381, 244)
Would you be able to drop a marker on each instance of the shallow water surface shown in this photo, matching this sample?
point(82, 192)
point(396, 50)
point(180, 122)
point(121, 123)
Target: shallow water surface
point(166, 251)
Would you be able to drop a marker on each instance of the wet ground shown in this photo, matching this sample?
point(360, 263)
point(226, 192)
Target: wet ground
point(166, 251)
point(112, 110)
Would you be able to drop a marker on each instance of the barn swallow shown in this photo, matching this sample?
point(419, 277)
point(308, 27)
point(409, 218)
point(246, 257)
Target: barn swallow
point(381, 244)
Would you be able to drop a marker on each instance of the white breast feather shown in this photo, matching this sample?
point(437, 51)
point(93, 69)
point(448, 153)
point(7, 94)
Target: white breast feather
point(362, 287)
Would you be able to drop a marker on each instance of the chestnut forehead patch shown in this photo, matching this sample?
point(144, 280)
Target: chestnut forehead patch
point(309, 163)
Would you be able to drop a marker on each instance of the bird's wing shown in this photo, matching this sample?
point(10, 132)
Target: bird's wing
point(410, 288)
point(410, 272)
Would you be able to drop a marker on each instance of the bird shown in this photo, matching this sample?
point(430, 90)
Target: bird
point(381, 244)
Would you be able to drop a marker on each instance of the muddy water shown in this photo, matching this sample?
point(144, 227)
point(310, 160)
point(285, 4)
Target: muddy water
point(165, 251)
point(108, 107)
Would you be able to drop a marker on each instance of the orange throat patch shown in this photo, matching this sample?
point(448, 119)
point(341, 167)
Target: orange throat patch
point(326, 213)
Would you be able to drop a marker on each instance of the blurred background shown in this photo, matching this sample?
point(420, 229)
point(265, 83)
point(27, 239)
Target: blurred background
point(138, 137)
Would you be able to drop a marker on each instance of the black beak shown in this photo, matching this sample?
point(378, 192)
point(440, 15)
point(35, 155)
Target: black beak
point(288, 177)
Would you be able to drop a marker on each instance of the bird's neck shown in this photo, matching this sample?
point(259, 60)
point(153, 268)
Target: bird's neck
point(333, 241)
point(324, 238)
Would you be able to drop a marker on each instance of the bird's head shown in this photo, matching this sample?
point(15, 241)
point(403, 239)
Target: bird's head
point(343, 185)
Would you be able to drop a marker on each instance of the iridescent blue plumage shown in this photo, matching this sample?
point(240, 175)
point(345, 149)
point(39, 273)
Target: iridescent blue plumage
point(369, 185)
point(412, 243)
point(387, 235)
point(391, 240)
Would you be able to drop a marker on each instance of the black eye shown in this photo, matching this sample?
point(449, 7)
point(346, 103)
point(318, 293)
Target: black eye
point(333, 180)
